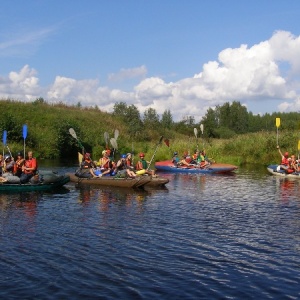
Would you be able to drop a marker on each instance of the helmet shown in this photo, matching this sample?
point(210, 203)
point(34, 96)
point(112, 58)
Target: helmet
point(142, 154)
point(6, 157)
point(123, 156)
point(87, 155)
point(19, 154)
point(175, 153)
point(128, 154)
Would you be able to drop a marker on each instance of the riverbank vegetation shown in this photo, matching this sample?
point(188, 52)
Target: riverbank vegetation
point(230, 133)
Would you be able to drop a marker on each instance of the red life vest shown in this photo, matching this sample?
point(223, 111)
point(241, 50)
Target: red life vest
point(285, 161)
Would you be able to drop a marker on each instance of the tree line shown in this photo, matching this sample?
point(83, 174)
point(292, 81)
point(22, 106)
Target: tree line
point(223, 121)
point(49, 137)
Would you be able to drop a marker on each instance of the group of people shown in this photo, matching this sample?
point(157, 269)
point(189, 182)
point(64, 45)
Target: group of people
point(19, 169)
point(288, 163)
point(198, 159)
point(108, 166)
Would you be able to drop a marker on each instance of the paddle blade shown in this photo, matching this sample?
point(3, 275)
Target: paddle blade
point(106, 137)
point(196, 132)
point(160, 140)
point(202, 128)
point(114, 143)
point(167, 142)
point(4, 137)
point(116, 134)
point(73, 133)
point(299, 145)
point(277, 122)
point(80, 158)
point(24, 131)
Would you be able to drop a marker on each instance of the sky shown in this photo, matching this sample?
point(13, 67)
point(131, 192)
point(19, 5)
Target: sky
point(185, 56)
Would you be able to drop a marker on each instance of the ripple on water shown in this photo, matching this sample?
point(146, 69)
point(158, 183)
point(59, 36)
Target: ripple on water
point(204, 237)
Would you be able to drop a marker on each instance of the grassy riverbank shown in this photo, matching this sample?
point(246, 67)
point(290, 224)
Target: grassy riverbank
point(255, 148)
point(49, 137)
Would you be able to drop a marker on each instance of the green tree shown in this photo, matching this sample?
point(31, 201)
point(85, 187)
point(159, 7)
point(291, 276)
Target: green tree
point(120, 110)
point(210, 122)
point(167, 119)
point(133, 119)
point(151, 118)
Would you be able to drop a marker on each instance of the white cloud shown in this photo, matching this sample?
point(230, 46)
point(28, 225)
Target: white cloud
point(266, 71)
point(20, 85)
point(125, 74)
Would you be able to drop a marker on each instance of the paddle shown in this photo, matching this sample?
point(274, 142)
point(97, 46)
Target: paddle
point(202, 130)
point(24, 133)
point(5, 141)
point(196, 135)
point(74, 135)
point(160, 140)
point(116, 134)
point(277, 125)
point(132, 153)
point(298, 149)
point(114, 143)
point(4, 136)
point(80, 158)
point(106, 139)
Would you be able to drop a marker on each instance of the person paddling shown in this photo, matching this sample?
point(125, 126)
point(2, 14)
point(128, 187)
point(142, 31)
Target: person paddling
point(285, 161)
point(29, 168)
point(142, 166)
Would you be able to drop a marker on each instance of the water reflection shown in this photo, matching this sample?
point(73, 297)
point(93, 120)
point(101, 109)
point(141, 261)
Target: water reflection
point(287, 189)
point(192, 240)
point(114, 196)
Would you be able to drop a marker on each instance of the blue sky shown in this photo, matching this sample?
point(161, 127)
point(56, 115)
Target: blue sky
point(185, 56)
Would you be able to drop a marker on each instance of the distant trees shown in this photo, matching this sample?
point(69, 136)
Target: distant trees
point(48, 125)
point(150, 121)
point(167, 119)
point(230, 119)
point(130, 115)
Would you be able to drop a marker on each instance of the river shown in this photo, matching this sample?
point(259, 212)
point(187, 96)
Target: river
point(202, 237)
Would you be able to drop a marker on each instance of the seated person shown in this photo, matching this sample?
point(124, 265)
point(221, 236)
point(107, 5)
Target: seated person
point(29, 168)
point(19, 164)
point(195, 158)
point(293, 164)
point(142, 166)
point(186, 160)
point(285, 161)
point(87, 167)
point(203, 160)
point(175, 159)
point(123, 169)
point(129, 161)
point(105, 163)
point(9, 164)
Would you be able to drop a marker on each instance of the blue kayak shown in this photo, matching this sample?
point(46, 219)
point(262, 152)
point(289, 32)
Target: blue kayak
point(276, 170)
point(214, 168)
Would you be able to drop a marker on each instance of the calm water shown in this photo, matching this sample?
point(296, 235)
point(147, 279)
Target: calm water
point(203, 237)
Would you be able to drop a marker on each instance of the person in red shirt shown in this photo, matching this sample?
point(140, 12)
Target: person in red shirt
point(285, 161)
point(29, 168)
point(19, 164)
